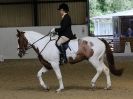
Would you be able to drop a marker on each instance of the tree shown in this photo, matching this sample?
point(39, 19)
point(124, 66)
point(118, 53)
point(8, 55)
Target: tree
point(120, 5)
point(99, 7)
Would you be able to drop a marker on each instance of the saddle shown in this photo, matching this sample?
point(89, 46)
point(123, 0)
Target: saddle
point(63, 48)
point(66, 44)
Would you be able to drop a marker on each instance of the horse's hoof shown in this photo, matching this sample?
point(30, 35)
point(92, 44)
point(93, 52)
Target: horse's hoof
point(46, 89)
point(93, 88)
point(59, 90)
point(108, 88)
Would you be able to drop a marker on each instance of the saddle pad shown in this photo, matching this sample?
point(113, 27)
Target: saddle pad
point(73, 44)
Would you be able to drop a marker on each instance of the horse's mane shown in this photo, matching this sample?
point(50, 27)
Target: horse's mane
point(34, 33)
point(38, 35)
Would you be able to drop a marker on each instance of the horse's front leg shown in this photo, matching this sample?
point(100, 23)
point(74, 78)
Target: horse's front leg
point(39, 75)
point(56, 68)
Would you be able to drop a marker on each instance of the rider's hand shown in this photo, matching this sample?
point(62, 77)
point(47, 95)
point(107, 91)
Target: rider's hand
point(52, 30)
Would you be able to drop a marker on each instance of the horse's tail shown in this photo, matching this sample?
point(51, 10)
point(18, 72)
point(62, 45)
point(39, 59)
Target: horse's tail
point(110, 59)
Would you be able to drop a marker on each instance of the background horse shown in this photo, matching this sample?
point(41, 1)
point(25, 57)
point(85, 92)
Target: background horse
point(87, 48)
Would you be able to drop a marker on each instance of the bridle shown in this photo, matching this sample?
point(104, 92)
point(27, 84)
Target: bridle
point(29, 46)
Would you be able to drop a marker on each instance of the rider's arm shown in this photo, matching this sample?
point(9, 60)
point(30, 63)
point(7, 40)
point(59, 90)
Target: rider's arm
point(66, 22)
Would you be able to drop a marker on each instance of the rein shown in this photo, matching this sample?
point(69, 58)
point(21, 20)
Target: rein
point(47, 44)
point(31, 45)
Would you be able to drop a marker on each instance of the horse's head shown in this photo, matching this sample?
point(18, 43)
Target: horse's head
point(22, 43)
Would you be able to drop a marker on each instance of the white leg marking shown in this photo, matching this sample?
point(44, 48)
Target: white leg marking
point(95, 62)
point(39, 75)
point(106, 72)
point(59, 76)
point(93, 81)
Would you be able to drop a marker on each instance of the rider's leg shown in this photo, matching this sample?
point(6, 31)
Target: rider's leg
point(62, 40)
point(59, 43)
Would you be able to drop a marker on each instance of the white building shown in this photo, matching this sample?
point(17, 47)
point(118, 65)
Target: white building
point(110, 24)
point(114, 26)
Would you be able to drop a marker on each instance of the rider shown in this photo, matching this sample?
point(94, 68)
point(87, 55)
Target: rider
point(64, 32)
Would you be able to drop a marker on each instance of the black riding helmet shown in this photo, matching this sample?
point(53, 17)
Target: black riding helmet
point(64, 7)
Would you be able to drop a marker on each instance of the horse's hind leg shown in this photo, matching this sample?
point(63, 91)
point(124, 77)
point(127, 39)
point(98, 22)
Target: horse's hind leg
point(39, 75)
point(99, 68)
point(107, 74)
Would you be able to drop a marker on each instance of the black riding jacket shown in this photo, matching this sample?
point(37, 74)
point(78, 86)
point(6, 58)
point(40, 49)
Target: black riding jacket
point(65, 29)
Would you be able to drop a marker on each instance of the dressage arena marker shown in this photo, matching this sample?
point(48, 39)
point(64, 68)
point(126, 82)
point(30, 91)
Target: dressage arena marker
point(127, 47)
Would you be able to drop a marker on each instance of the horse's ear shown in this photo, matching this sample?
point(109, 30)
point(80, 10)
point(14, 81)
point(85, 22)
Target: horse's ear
point(18, 33)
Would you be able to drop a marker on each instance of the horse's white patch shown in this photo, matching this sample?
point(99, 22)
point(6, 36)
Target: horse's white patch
point(73, 44)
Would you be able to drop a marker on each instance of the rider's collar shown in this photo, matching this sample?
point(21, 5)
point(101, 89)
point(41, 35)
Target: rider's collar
point(64, 15)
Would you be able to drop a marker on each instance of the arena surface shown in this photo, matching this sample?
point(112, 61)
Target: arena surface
point(18, 81)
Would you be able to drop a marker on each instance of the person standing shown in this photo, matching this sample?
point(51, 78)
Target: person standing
point(129, 32)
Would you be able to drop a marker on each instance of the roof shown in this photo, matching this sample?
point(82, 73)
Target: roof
point(109, 16)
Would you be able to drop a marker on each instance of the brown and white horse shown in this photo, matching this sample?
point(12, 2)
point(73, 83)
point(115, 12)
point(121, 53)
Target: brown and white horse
point(87, 48)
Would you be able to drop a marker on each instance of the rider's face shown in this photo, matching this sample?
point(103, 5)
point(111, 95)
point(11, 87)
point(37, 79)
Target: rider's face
point(62, 12)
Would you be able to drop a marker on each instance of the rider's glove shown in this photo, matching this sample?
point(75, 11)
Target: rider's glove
point(52, 30)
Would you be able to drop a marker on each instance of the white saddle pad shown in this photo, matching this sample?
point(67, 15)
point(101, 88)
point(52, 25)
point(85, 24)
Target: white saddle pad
point(73, 44)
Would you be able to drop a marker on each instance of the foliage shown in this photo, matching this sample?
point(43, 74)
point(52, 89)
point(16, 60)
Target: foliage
point(100, 7)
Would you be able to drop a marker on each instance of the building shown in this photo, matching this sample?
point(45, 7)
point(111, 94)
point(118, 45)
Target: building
point(36, 15)
point(115, 26)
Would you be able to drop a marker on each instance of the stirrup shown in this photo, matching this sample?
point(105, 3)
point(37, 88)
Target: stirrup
point(63, 59)
point(61, 62)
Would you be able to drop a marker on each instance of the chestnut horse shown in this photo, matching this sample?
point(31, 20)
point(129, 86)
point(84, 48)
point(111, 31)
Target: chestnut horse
point(87, 48)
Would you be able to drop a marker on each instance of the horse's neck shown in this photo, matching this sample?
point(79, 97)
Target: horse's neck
point(32, 37)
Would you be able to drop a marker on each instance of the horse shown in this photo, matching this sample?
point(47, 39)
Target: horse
point(87, 48)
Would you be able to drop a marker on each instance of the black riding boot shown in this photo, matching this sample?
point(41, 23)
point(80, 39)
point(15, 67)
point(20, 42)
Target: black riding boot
point(64, 54)
point(63, 58)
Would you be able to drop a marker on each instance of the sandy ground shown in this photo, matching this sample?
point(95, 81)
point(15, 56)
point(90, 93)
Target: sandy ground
point(18, 81)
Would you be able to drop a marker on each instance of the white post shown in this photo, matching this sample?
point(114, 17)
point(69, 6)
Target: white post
point(127, 47)
point(1, 58)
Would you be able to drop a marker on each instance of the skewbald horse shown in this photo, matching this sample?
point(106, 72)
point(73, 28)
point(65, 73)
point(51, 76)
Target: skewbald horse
point(87, 48)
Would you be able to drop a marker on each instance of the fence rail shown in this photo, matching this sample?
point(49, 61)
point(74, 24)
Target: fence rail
point(117, 44)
